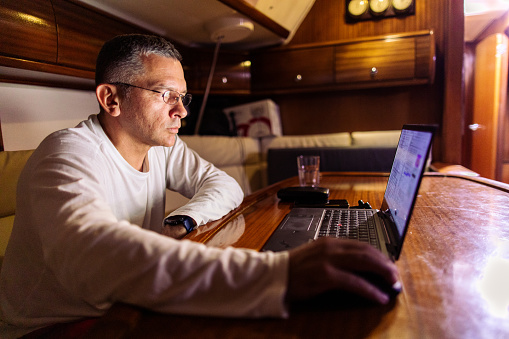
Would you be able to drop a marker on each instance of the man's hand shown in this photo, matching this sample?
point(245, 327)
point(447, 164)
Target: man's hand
point(333, 264)
point(176, 232)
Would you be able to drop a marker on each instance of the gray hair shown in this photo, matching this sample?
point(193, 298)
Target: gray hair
point(120, 59)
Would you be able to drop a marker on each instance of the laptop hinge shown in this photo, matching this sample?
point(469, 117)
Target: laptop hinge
point(386, 216)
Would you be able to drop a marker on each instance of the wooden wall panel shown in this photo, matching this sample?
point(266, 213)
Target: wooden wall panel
point(326, 22)
point(468, 81)
point(506, 135)
point(28, 31)
point(357, 110)
point(454, 94)
point(82, 32)
point(505, 173)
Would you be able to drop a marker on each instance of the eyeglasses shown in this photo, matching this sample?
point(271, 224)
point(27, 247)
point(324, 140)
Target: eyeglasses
point(170, 97)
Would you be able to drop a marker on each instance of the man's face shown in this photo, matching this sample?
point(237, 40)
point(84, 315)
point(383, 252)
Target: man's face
point(145, 117)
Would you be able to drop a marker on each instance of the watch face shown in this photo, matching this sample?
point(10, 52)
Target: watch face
point(401, 5)
point(379, 6)
point(357, 7)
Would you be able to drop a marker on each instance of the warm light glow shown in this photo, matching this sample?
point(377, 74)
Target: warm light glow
point(29, 19)
point(32, 19)
point(368, 187)
point(501, 49)
point(473, 7)
point(494, 284)
point(246, 63)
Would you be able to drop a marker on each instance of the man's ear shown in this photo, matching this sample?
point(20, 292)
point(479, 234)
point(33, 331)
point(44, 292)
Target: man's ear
point(108, 97)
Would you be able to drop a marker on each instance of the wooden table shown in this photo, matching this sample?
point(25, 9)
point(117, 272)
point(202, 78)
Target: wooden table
point(454, 269)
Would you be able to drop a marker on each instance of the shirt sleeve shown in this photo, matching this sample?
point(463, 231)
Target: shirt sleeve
point(213, 193)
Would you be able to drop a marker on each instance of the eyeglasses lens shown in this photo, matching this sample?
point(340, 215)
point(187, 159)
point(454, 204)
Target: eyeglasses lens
point(172, 98)
point(186, 99)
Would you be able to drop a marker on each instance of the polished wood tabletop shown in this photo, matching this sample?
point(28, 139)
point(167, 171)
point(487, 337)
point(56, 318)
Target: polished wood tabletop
point(454, 268)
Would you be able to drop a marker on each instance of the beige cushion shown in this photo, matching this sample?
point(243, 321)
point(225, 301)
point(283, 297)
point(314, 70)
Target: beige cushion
point(224, 151)
point(11, 164)
point(6, 224)
point(376, 138)
point(237, 156)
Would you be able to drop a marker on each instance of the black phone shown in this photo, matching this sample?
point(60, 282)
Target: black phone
point(306, 194)
point(336, 203)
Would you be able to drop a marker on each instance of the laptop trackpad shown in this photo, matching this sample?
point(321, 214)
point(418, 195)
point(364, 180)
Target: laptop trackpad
point(299, 222)
point(296, 229)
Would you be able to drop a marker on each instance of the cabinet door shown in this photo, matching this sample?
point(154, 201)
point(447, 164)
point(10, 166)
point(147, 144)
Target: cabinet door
point(292, 69)
point(231, 74)
point(489, 107)
point(385, 60)
point(375, 60)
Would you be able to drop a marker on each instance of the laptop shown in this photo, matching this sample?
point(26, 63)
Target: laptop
point(384, 228)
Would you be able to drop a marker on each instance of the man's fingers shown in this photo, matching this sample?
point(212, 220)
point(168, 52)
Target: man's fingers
point(360, 257)
point(332, 264)
point(350, 282)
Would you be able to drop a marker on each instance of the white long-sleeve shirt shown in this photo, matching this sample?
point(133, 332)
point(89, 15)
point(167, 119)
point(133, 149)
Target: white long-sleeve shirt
point(87, 235)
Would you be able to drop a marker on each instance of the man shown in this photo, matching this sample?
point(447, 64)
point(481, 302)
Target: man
point(90, 214)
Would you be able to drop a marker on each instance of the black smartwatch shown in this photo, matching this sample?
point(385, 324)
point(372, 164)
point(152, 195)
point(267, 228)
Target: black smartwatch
point(183, 220)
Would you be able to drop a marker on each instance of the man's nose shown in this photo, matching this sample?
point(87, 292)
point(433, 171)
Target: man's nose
point(178, 111)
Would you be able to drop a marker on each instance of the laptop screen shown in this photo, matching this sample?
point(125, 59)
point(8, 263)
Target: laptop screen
point(404, 180)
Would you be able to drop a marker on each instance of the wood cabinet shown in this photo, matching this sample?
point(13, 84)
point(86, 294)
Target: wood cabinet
point(82, 32)
point(292, 69)
point(232, 73)
point(392, 60)
point(54, 36)
point(386, 61)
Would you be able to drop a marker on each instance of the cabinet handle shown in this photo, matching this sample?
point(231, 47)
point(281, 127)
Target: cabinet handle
point(298, 78)
point(474, 127)
point(373, 72)
point(224, 80)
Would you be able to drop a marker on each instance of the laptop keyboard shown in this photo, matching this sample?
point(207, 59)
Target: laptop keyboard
point(350, 224)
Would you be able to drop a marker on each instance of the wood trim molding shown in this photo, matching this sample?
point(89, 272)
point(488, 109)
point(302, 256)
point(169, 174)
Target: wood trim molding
point(20, 71)
point(500, 25)
point(350, 41)
point(454, 96)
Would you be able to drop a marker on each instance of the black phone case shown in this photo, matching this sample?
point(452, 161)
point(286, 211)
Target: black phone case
point(304, 194)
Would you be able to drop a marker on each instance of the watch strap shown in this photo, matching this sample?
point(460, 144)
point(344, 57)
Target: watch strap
point(183, 220)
